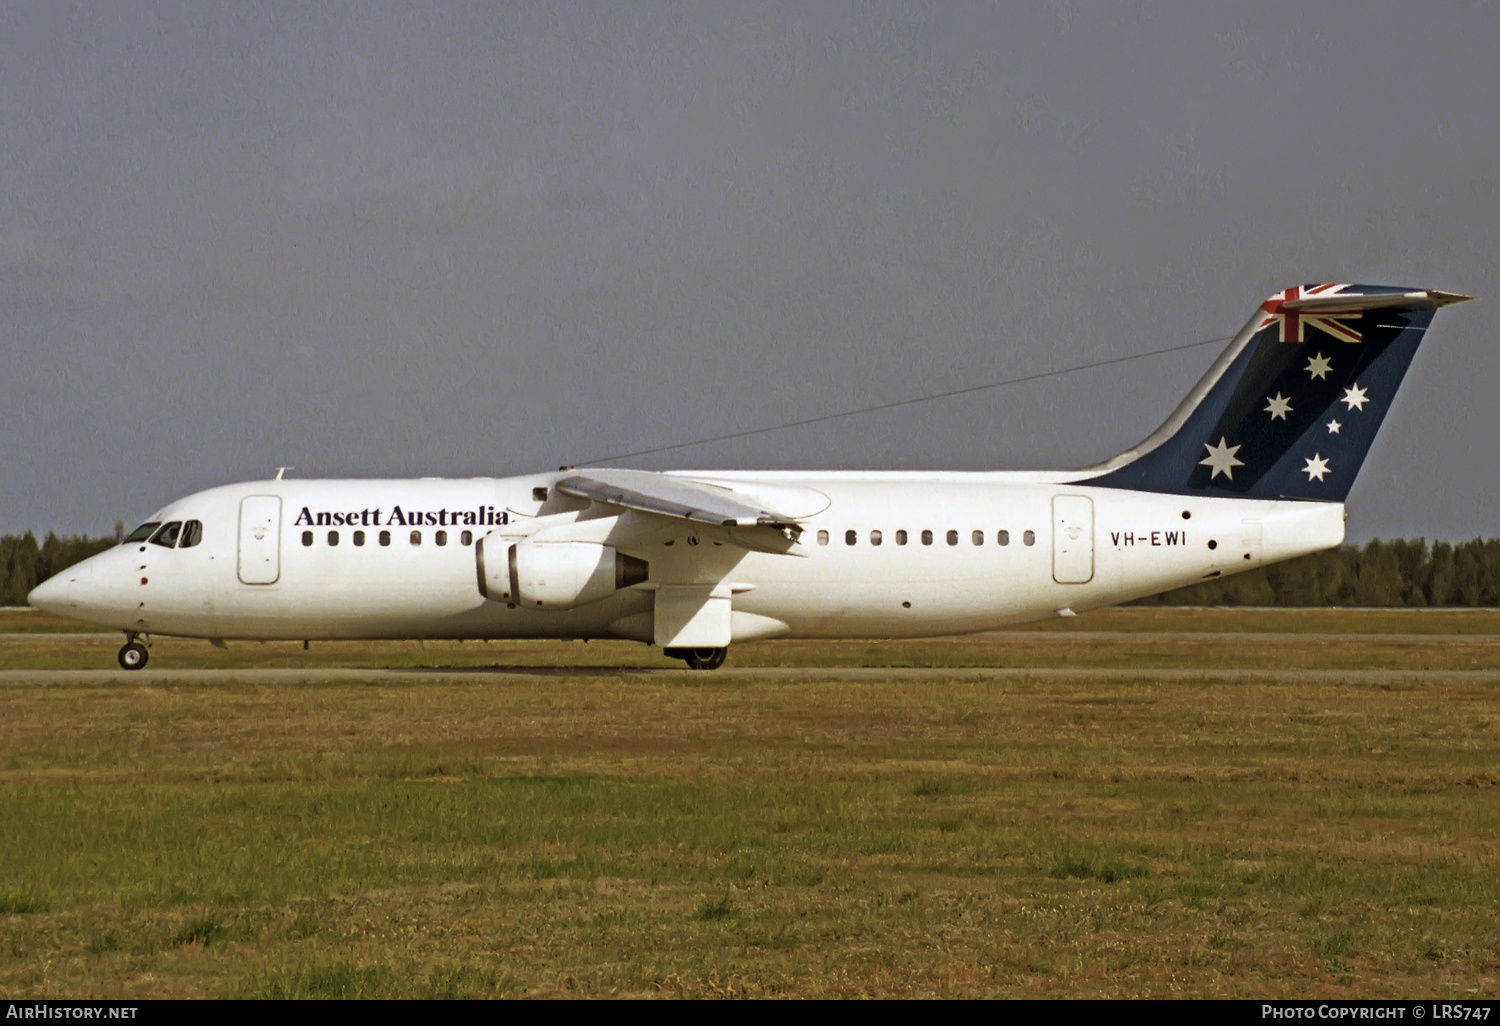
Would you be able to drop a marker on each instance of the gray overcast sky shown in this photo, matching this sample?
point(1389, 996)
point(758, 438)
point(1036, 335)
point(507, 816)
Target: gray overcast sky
point(454, 240)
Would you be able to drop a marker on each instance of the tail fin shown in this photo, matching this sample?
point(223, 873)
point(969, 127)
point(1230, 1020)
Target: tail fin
point(1292, 406)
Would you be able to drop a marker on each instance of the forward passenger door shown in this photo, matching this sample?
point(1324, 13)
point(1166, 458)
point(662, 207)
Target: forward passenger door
point(260, 539)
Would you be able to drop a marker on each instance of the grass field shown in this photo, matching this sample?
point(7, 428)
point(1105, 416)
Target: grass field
point(602, 833)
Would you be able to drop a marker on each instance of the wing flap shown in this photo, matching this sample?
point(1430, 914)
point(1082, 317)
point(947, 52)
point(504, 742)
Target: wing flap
point(674, 497)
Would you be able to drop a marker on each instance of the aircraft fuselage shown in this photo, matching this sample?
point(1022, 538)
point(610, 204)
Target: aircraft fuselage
point(889, 555)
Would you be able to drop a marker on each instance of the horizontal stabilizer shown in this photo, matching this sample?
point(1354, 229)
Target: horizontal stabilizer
point(666, 496)
point(1416, 300)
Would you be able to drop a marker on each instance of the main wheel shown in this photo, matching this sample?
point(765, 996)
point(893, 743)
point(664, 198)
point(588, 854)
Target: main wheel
point(133, 656)
point(705, 658)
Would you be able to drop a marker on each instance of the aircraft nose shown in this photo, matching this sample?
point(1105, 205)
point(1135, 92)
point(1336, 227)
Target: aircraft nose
point(98, 590)
point(56, 594)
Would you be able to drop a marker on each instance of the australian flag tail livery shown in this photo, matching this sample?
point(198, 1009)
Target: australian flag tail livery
point(1290, 409)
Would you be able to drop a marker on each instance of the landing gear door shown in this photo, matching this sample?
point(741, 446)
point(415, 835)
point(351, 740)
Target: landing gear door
point(260, 539)
point(1072, 539)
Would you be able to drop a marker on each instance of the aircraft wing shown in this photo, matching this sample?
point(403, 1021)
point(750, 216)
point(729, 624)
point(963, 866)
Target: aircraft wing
point(646, 492)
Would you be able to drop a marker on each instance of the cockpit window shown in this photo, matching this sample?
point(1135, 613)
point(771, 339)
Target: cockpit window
point(143, 532)
point(167, 536)
point(192, 534)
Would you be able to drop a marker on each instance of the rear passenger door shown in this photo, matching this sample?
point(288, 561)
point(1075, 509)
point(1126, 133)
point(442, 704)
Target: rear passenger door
point(260, 539)
point(1072, 539)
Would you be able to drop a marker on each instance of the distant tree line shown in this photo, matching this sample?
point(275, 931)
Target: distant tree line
point(24, 564)
point(1379, 573)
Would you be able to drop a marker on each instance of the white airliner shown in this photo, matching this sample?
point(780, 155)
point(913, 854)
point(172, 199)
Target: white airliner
point(1253, 467)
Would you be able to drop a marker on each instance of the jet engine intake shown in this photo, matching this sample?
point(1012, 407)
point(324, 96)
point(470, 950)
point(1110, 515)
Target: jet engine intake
point(555, 575)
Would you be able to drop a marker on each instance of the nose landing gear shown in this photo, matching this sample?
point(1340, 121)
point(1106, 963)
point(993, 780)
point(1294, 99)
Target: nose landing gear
point(134, 655)
point(698, 658)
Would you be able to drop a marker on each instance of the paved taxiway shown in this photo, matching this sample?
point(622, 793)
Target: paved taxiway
point(1269, 637)
point(915, 674)
point(293, 675)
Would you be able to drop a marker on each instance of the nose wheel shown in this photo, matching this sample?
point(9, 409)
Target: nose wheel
point(699, 658)
point(133, 656)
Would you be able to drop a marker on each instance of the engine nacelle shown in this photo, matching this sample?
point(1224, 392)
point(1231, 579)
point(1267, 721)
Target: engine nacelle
point(554, 575)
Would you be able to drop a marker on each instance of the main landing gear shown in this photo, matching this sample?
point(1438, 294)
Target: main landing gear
point(134, 655)
point(698, 658)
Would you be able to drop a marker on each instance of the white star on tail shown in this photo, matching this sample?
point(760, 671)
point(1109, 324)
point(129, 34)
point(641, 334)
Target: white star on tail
point(1319, 366)
point(1355, 398)
point(1279, 408)
point(1221, 459)
point(1333, 427)
point(1316, 467)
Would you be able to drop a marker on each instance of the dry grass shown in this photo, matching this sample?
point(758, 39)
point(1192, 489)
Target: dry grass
point(601, 834)
point(23, 620)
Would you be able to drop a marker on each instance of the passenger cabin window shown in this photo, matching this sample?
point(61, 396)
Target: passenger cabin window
point(359, 538)
point(467, 538)
point(385, 537)
point(978, 537)
point(141, 533)
point(539, 495)
point(306, 538)
point(822, 537)
point(333, 539)
point(1003, 537)
point(1029, 537)
point(952, 537)
point(850, 537)
point(167, 536)
point(192, 534)
point(416, 537)
point(900, 537)
point(875, 538)
point(926, 537)
point(440, 537)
